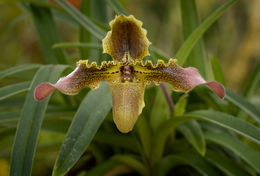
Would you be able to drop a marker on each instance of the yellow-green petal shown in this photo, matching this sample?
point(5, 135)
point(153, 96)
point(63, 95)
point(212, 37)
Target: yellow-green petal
point(127, 41)
point(128, 102)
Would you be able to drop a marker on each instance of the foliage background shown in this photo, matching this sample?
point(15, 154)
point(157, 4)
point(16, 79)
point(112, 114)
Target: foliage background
point(233, 40)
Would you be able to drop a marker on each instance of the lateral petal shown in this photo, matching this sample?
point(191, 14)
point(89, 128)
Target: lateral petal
point(181, 79)
point(84, 75)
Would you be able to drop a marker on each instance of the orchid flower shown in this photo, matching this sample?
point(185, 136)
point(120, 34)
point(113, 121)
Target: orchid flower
point(127, 75)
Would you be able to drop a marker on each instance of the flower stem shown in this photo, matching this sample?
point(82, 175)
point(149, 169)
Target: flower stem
point(167, 96)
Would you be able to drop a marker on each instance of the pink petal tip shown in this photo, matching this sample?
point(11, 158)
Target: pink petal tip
point(217, 88)
point(42, 91)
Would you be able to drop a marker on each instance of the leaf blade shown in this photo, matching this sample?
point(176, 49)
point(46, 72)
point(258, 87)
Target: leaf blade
point(44, 24)
point(116, 6)
point(82, 20)
point(230, 122)
point(225, 164)
point(78, 45)
point(217, 71)
point(242, 103)
point(30, 122)
point(193, 133)
point(238, 147)
point(190, 20)
point(188, 45)
point(95, 106)
point(13, 89)
point(189, 158)
point(17, 69)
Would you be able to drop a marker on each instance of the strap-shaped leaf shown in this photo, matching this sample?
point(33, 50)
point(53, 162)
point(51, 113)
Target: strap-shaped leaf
point(18, 69)
point(225, 164)
point(45, 26)
point(222, 119)
point(190, 20)
point(102, 168)
point(13, 89)
point(82, 20)
point(239, 148)
point(9, 116)
point(188, 158)
point(132, 162)
point(230, 122)
point(193, 133)
point(30, 123)
point(116, 6)
point(85, 124)
point(78, 45)
point(242, 103)
point(188, 45)
point(217, 71)
point(254, 80)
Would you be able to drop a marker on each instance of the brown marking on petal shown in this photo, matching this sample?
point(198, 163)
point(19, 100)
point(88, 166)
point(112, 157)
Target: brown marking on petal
point(42, 91)
point(127, 41)
point(181, 79)
point(84, 75)
point(128, 102)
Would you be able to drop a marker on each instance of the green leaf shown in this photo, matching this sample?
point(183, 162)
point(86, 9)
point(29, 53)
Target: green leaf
point(84, 35)
point(190, 21)
point(30, 123)
point(160, 111)
point(161, 135)
point(132, 162)
point(116, 6)
point(56, 125)
point(158, 54)
point(239, 148)
point(9, 116)
point(97, 10)
point(101, 168)
point(17, 69)
point(222, 119)
point(180, 106)
point(242, 103)
point(78, 45)
point(187, 158)
point(188, 45)
point(253, 83)
point(120, 140)
point(145, 135)
point(85, 124)
point(45, 26)
point(217, 71)
point(193, 133)
point(230, 122)
point(13, 89)
point(36, 2)
point(82, 20)
point(228, 166)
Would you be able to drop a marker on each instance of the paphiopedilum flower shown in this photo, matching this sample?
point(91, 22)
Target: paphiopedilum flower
point(127, 75)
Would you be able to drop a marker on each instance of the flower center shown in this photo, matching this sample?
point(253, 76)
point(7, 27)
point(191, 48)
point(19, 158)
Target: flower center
point(127, 73)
